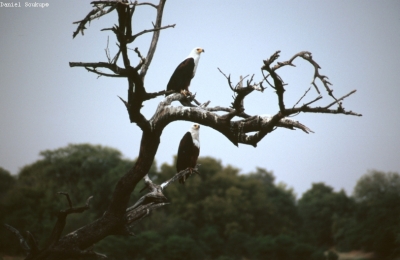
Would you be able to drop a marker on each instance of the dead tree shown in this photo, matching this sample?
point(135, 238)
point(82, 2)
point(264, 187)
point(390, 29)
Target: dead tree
point(232, 121)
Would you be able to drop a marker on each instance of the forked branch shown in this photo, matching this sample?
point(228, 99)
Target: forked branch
point(30, 245)
point(279, 86)
point(155, 197)
point(137, 93)
point(100, 9)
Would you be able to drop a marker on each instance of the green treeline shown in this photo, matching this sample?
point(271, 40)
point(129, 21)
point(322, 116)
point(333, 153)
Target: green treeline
point(219, 214)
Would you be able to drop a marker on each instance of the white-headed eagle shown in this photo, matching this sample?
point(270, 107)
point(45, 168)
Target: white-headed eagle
point(183, 74)
point(188, 151)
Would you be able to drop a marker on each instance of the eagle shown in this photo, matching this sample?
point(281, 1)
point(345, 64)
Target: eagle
point(183, 74)
point(188, 151)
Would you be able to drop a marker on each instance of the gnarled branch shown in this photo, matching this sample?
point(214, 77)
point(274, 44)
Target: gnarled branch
point(155, 197)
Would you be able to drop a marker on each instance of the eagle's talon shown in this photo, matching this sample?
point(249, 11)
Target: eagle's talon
point(184, 92)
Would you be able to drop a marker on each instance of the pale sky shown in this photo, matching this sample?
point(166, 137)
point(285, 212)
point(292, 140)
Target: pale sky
point(45, 104)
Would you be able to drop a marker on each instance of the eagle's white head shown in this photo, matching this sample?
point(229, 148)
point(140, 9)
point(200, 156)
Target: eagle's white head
point(195, 54)
point(194, 131)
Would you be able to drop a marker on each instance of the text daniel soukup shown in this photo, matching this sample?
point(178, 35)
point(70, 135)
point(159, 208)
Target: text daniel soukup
point(27, 4)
